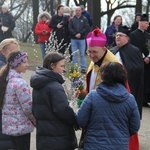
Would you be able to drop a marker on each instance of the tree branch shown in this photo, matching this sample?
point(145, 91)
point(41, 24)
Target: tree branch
point(24, 7)
point(118, 7)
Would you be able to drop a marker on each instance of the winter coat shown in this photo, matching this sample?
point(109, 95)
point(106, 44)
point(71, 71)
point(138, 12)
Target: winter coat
point(131, 58)
point(1, 34)
point(134, 26)
point(43, 26)
point(79, 25)
point(55, 118)
point(140, 39)
point(88, 16)
point(5, 142)
point(17, 118)
point(2, 60)
point(8, 21)
point(60, 33)
point(110, 116)
point(110, 34)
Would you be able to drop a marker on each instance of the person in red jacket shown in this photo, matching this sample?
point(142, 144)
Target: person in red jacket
point(43, 31)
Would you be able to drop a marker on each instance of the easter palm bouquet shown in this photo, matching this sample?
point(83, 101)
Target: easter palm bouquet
point(77, 83)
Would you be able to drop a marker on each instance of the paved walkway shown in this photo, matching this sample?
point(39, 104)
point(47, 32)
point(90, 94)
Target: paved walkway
point(144, 133)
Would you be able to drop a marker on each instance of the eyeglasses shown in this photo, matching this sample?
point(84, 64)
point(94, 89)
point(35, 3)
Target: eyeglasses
point(92, 52)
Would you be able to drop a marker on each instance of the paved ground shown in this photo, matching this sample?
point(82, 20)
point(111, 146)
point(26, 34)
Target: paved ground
point(144, 133)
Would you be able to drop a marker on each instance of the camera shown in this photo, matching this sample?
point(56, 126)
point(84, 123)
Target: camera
point(44, 31)
point(61, 23)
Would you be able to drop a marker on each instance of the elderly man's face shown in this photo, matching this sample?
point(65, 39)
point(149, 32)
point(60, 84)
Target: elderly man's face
point(4, 9)
point(121, 39)
point(96, 53)
point(144, 25)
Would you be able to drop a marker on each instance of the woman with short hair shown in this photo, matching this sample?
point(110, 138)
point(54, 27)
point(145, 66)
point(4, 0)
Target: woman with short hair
point(109, 114)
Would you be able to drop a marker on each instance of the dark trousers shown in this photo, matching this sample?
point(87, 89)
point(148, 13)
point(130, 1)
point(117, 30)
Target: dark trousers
point(21, 142)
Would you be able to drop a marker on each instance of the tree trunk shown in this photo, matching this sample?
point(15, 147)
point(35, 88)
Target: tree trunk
point(35, 4)
point(96, 13)
point(67, 3)
point(148, 7)
point(94, 7)
point(52, 7)
point(109, 18)
point(90, 7)
point(138, 7)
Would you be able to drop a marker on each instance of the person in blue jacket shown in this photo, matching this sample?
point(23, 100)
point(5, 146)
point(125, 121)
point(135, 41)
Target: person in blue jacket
point(112, 30)
point(109, 114)
point(87, 15)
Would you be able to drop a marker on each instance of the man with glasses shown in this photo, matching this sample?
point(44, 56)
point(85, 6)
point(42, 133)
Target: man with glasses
point(131, 57)
point(98, 53)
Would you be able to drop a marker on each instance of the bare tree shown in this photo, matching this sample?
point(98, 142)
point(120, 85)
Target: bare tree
point(94, 7)
point(35, 4)
point(19, 7)
point(112, 7)
point(80, 2)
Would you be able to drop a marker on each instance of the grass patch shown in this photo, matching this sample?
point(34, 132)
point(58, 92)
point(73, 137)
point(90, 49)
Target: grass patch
point(34, 54)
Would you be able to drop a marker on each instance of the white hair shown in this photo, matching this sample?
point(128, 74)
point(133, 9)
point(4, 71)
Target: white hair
point(5, 6)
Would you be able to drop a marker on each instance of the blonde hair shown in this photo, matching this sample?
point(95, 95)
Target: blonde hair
point(67, 9)
point(5, 43)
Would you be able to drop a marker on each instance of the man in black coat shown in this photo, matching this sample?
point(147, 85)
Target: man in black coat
point(59, 24)
point(140, 38)
point(131, 58)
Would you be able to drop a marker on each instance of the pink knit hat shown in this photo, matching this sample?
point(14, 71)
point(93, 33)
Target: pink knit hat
point(96, 38)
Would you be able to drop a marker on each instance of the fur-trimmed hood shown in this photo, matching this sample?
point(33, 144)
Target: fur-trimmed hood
point(44, 13)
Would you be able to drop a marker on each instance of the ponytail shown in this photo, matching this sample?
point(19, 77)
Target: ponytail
point(3, 83)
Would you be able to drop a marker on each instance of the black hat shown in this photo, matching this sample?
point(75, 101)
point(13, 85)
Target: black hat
point(144, 17)
point(125, 30)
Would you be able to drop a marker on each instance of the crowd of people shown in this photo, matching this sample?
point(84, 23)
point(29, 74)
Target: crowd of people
point(117, 82)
